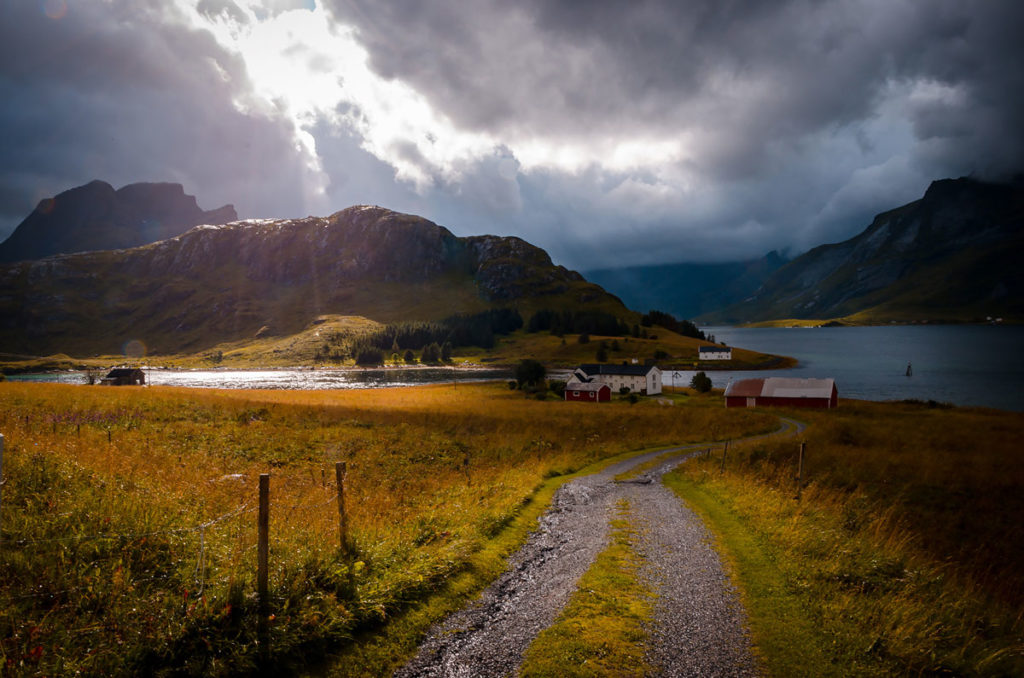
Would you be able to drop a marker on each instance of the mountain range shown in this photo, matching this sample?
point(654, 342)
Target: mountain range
point(954, 255)
point(263, 277)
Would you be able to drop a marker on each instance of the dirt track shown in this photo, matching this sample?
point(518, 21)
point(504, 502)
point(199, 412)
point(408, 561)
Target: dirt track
point(699, 625)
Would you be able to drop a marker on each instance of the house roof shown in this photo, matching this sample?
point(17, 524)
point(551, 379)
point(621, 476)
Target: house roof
point(781, 387)
point(745, 388)
point(587, 386)
point(625, 370)
point(714, 349)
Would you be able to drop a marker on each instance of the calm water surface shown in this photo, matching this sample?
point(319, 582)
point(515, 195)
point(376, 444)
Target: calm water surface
point(961, 364)
point(294, 378)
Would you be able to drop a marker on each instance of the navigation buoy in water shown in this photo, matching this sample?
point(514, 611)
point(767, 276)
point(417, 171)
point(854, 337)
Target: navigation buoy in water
point(910, 371)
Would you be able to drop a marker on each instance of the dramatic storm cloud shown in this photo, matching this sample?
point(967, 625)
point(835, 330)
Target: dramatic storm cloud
point(609, 133)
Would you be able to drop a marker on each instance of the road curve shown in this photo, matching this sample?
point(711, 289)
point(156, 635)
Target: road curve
point(699, 624)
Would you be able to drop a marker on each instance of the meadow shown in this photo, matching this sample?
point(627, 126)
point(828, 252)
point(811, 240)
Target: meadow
point(128, 516)
point(900, 554)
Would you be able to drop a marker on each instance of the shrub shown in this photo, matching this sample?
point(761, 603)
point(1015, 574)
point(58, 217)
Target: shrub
point(529, 372)
point(701, 382)
point(557, 387)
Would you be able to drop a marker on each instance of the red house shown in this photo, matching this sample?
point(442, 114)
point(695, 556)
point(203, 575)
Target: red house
point(593, 392)
point(783, 392)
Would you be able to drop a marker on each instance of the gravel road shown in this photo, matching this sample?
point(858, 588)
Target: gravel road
point(699, 625)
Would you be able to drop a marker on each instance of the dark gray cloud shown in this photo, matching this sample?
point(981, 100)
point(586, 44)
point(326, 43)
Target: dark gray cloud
point(741, 126)
point(746, 78)
point(114, 91)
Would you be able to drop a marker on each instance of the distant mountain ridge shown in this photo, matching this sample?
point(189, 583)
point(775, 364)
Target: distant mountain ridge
point(687, 290)
point(233, 281)
point(97, 217)
point(953, 255)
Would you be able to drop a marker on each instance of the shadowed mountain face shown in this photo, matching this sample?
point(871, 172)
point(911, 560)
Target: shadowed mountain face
point(96, 217)
point(686, 290)
point(230, 282)
point(953, 255)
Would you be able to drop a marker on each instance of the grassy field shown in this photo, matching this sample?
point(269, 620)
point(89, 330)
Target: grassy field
point(128, 515)
point(903, 554)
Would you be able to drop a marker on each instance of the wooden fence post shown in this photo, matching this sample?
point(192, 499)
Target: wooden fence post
point(725, 451)
point(339, 476)
point(262, 554)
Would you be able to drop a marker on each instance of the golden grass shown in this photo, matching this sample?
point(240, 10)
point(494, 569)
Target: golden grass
point(129, 524)
point(905, 547)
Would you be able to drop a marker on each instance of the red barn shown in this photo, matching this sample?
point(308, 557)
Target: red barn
point(593, 392)
point(783, 392)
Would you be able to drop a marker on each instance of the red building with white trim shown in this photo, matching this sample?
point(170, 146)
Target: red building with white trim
point(593, 392)
point(783, 392)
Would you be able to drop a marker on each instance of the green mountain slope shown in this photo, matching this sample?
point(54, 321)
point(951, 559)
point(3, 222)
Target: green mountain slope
point(217, 284)
point(953, 255)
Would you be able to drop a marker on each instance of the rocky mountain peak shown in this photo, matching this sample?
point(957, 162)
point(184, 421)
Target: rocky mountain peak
point(97, 217)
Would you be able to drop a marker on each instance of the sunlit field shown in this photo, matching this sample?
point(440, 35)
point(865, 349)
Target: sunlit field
point(905, 549)
point(129, 514)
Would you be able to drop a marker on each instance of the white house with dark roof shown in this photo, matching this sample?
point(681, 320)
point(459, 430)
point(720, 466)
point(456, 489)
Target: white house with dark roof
point(642, 379)
point(714, 353)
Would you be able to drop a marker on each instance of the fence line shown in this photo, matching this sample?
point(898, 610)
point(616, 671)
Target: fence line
point(131, 536)
point(201, 569)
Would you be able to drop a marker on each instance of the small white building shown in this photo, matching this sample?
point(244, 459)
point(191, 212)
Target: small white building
point(714, 353)
point(642, 379)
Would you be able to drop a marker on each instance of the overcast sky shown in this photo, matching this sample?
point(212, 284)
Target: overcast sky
point(608, 132)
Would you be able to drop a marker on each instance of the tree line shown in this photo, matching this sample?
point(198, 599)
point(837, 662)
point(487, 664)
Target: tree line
point(435, 340)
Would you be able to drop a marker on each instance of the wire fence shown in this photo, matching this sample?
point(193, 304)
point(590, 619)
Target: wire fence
point(204, 533)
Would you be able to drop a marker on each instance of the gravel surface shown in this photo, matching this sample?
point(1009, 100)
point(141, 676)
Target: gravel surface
point(698, 627)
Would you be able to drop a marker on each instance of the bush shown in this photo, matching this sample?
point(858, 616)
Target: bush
point(557, 386)
point(701, 382)
point(529, 372)
point(431, 354)
point(410, 357)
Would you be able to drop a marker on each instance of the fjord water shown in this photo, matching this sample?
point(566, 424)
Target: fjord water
point(981, 365)
point(296, 378)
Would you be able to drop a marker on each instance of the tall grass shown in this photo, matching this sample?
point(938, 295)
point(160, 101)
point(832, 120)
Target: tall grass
point(128, 519)
point(906, 546)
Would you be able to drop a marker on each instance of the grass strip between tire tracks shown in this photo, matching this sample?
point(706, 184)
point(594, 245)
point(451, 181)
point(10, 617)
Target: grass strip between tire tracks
point(602, 631)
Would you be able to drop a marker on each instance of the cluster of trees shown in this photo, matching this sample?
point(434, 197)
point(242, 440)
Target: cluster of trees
point(577, 322)
point(478, 329)
point(669, 322)
point(435, 340)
